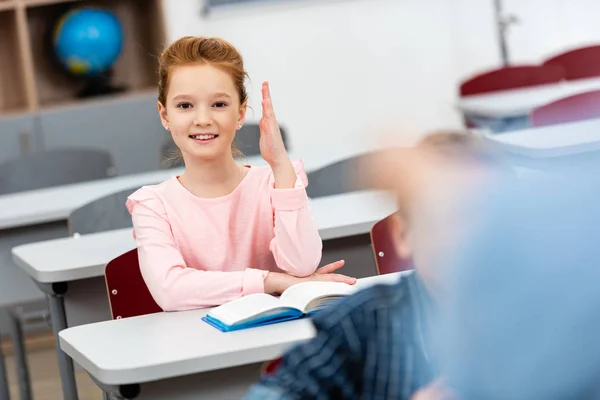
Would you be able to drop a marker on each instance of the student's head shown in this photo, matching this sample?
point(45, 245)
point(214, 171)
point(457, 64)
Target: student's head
point(431, 181)
point(201, 96)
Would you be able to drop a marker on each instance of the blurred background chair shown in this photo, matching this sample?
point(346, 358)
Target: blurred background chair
point(507, 78)
point(583, 62)
point(512, 77)
point(54, 168)
point(104, 214)
point(578, 107)
point(342, 176)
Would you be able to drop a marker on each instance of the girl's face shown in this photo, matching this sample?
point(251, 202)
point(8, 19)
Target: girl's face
point(202, 111)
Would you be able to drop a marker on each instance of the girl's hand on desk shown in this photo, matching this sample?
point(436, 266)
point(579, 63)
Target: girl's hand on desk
point(277, 282)
point(329, 268)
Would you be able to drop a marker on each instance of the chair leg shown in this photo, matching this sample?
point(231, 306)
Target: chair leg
point(16, 333)
point(4, 394)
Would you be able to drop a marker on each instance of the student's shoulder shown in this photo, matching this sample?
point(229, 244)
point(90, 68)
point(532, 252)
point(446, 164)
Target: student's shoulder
point(151, 196)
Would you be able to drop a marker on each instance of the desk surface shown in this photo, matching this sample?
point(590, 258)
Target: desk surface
point(552, 141)
point(520, 102)
point(73, 258)
point(149, 348)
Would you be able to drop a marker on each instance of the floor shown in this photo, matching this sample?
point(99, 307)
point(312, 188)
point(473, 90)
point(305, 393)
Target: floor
point(43, 370)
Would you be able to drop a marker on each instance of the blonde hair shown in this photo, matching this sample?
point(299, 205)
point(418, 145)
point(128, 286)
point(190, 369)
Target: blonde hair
point(216, 52)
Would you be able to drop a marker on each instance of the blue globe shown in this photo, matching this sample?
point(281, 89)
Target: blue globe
point(88, 41)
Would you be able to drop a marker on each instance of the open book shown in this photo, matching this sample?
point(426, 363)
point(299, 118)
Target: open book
point(259, 309)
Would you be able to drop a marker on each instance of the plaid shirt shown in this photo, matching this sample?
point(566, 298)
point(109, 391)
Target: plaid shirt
point(371, 345)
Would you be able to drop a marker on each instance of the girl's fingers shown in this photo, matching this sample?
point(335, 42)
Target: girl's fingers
point(329, 268)
point(343, 278)
point(267, 102)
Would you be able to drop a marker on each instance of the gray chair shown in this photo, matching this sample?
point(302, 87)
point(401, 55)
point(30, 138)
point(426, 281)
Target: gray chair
point(248, 137)
point(104, 214)
point(53, 168)
point(343, 176)
point(247, 141)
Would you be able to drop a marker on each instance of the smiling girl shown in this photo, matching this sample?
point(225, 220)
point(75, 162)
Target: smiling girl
point(222, 230)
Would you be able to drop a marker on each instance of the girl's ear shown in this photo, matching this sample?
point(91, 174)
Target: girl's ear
point(242, 113)
point(162, 111)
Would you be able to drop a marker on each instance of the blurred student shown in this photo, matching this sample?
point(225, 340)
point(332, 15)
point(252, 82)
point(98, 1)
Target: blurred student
point(522, 318)
point(377, 344)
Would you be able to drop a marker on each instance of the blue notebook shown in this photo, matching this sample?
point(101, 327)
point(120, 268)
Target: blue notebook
point(260, 309)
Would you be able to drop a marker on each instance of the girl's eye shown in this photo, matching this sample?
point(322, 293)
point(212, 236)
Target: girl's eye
point(220, 104)
point(184, 106)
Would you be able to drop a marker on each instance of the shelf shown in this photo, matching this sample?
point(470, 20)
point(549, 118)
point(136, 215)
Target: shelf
point(7, 5)
point(37, 3)
point(12, 88)
point(143, 38)
point(91, 101)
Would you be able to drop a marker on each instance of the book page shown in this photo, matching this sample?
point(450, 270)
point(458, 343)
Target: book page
point(303, 295)
point(244, 308)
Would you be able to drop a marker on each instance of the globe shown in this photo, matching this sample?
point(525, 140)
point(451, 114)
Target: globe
point(88, 41)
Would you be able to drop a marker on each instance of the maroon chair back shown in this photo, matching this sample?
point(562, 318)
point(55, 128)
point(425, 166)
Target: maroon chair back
point(512, 78)
point(387, 259)
point(579, 63)
point(573, 108)
point(127, 292)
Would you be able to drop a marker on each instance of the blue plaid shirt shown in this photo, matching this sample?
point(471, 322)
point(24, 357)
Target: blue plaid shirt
point(372, 345)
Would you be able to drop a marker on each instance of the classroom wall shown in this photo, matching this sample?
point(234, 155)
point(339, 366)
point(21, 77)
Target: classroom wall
point(342, 69)
point(547, 27)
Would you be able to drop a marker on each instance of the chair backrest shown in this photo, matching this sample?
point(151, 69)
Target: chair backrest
point(127, 292)
point(104, 214)
point(583, 62)
point(387, 259)
point(53, 168)
point(573, 108)
point(513, 77)
point(342, 176)
point(246, 139)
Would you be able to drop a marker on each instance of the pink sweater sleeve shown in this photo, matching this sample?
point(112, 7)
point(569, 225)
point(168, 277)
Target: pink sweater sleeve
point(296, 245)
point(174, 285)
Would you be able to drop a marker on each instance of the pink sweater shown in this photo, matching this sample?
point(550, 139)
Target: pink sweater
point(197, 252)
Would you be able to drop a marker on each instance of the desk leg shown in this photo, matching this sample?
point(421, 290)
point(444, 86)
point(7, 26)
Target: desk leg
point(4, 395)
point(16, 333)
point(55, 293)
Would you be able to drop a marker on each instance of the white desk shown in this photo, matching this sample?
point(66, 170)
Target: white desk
point(150, 348)
point(520, 102)
point(552, 141)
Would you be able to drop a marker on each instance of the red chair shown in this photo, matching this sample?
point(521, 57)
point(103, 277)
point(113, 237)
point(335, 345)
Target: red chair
point(512, 78)
point(573, 108)
point(387, 259)
point(579, 63)
point(128, 294)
